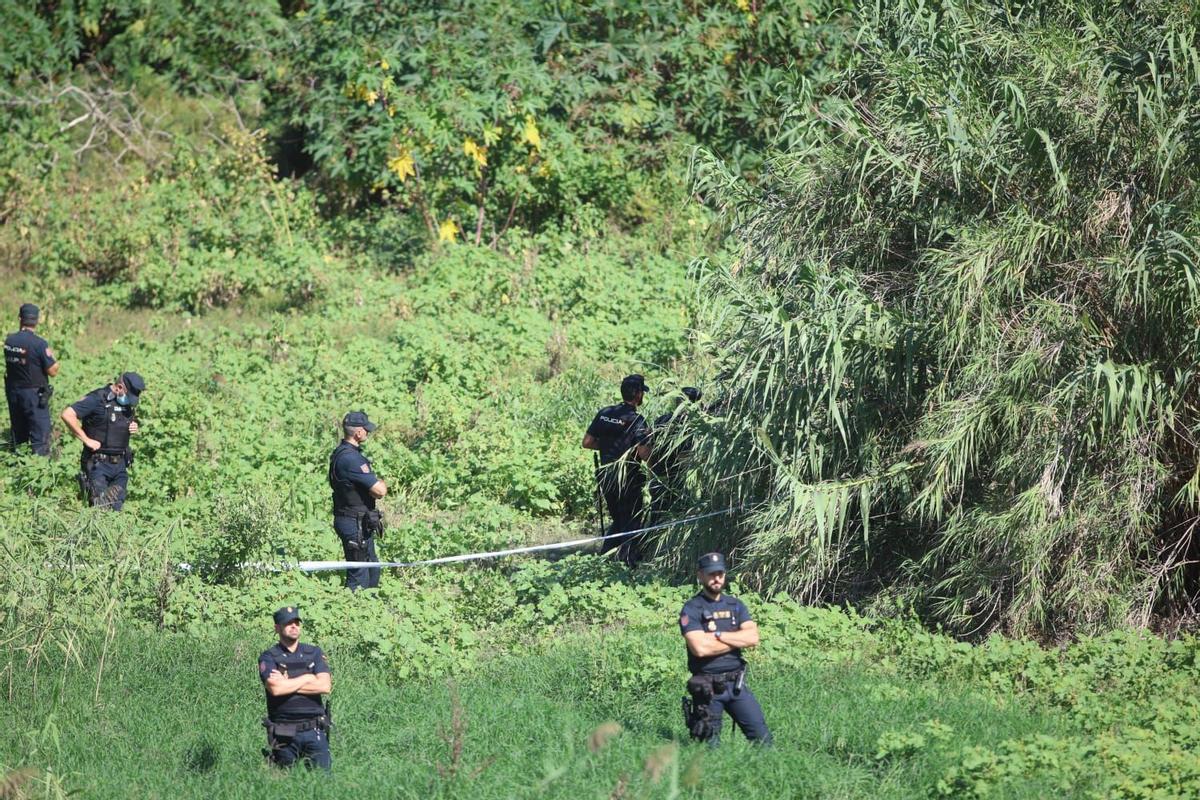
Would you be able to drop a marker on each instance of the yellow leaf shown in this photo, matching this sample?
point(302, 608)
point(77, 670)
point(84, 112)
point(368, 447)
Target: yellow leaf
point(476, 152)
point(384, 65)
point(402, 165)
point(491, 134)
point(530, 134)
point(448, 231)
point(370, 97)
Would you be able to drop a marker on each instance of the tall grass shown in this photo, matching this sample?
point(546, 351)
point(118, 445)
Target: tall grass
point(957, 342)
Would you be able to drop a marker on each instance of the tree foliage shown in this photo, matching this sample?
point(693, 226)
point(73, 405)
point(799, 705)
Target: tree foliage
point(958, 339)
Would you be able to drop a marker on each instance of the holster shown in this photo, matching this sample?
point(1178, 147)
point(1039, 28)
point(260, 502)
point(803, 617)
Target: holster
point(85, 486)
point(695, 707)
point(44, 395)
point(371, 524)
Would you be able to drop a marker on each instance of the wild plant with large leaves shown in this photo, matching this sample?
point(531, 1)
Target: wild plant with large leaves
point(957, 340)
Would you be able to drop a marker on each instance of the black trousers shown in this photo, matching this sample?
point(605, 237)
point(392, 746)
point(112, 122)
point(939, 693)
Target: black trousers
point(624, 501)
point(30, 420)
point(347, 529)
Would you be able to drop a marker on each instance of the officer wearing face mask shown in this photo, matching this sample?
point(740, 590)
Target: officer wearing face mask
point(104, 421)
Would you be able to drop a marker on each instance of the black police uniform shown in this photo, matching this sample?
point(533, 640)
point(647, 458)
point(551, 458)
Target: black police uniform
point(106, 470)
point(297, 724)
point(27, 389)
point(617, 429)
point(718, 682)
point(355, 519)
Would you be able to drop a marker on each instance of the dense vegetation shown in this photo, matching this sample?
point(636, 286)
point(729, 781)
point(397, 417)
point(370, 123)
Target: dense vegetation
point(931, 263)
point(958, 339)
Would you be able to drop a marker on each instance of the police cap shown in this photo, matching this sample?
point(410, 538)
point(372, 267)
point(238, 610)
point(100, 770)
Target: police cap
point(286, 614)
point(635, 382)
point(710, 563)
point(134, 385)
point(358, 419)
point(29, 312)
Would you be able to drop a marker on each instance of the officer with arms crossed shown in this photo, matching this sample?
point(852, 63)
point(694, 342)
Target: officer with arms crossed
point(622, 436)
point(716, 627)
point(28, 365)
point(103, 420)
point(355, 490)
point(295, 675)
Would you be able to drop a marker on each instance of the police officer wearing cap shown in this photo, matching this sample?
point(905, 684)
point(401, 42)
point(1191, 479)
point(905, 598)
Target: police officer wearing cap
point(621, 436)
point(355, 490)
point(29, 364)
point(716, 628)
point(104, 421)
point(672, 447)
point(294, 676)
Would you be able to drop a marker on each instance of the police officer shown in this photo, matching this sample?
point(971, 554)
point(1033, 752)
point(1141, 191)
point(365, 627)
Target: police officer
point(622, 436)
point(103, 420)
point(355, 490)
point(670, 452)
point(294, 676)
point(716, 628)
point(29, 364)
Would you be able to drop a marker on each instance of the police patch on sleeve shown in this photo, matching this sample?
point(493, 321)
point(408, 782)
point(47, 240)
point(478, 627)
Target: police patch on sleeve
point(365, 467)
point(683, 620)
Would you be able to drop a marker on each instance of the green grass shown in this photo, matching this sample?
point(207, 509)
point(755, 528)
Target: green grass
point(179, 717)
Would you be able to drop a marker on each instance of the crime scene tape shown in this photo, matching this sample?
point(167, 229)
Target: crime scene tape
point(326, 566)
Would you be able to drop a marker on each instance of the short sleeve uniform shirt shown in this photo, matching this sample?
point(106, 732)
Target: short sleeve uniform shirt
point(727, 613)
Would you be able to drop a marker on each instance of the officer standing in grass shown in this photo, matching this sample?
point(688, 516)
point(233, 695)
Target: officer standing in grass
point(355, 490)
point(29, 364)
point(622, 436)
point(295, 675)
point(103, 420)
point(716, 627)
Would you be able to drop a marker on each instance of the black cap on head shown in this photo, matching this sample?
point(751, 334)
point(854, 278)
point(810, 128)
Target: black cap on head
point(286, 614)
point(692, 393)
point(134, 385)
point(710, 563)
point(358, 419)
point(635, 382)
point(29, 312)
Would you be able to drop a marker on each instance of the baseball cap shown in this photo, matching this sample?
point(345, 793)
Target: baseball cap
point(711, 562)
point(635, 381)
point(133, 384)
point(28, 312)
point(358, 419)
point(286, 614)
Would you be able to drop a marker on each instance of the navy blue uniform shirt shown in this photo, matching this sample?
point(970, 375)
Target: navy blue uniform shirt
point(307, 660)
point(616, 429)
point(724, 614)
point(351, 466)
point(26, 360)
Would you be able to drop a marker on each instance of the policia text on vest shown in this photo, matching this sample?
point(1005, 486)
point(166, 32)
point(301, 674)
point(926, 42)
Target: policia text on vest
point(355, 489)
point(29, 364)
point(621, 436)
point(103, 420)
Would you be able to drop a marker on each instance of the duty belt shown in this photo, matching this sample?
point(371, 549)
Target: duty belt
point(112, 458)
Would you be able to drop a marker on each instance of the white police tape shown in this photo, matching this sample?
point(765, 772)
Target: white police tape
point(327, 566)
